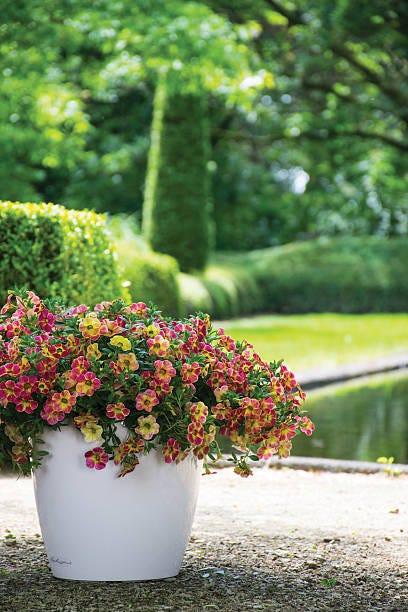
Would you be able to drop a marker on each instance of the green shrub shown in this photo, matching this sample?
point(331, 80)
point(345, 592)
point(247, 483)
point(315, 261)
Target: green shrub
point(149, 276)
point(176, 211)
point(152, 277)
point(56, 252)
point(350, 275)
point(195, 297)
point(353, 275)
point(222, 290)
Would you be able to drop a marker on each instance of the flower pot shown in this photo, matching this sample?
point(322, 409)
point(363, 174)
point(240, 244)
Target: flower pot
point(97, 526)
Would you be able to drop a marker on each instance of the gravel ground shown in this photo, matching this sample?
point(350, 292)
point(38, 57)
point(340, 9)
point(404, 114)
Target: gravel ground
point(284, 539)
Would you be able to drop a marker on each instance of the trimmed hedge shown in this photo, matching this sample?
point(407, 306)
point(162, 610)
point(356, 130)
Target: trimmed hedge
point(148, 276)
point(176, 211)
point(56, 252)
point(350, 275)
point(152, 277)
point(222, 291)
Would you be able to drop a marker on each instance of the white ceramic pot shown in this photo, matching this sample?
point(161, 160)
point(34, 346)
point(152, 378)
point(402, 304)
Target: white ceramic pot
point(97, 526)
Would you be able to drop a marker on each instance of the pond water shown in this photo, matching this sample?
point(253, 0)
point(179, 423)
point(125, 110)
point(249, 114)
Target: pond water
point(361, 421)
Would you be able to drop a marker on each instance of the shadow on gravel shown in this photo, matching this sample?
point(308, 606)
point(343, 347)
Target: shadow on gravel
point(287, 574)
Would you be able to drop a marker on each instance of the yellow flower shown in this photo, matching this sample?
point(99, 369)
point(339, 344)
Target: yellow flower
point(93, 351)
point(152, 330)
point(92, 432)
point(128, 361)
point(121, 342)
point(90, 327)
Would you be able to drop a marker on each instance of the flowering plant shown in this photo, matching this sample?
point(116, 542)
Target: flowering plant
point(172, 384)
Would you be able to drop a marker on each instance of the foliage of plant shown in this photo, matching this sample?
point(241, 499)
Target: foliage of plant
point(56, 251)
point(176, 212)
point(172, 383)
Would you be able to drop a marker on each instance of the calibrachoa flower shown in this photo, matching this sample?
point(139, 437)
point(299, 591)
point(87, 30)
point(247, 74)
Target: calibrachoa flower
point(82, 419)
point(92, 351)
point(171, 450)
point(97, 458)
point(146, 400)
point(26, 404)
point(52, 414)
point(199, 412)
point(164, 370)
point(64, 400)
point(190, 372)
point(148, 427)
point(91, 432)
point(158, 346)
point(117, 411)
point(90, 327)
point(87, 384)
point(164, 384)
point(127, 361)
point(121, 342)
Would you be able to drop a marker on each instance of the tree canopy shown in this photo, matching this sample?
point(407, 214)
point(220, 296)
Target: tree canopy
point(319, 148)
point(332, 135)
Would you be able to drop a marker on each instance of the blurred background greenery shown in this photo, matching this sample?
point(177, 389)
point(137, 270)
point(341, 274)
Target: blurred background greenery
point(220, 128)
point(305, 104)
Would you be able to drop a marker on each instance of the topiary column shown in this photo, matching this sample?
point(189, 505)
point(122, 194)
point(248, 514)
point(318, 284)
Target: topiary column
point(176, 213)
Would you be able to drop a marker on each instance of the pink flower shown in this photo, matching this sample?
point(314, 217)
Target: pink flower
point(171, 450)
point(117, 411)
point(227, 342)
point(164, 370)
point(190, 372)
point(52, 413)
point(8, 392)
point(158, 346)
point(306, 425)
point(146, 400)
point(199, 412)
point(139, 309)
point(87, 384)
point(46, 320)
point(96, 458)
point(195, 433)
point(26, 405)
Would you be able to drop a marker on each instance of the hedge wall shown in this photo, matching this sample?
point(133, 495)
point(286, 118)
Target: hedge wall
point(152, 277)
point(350, 275)
point(176, 210)
point(56, 252)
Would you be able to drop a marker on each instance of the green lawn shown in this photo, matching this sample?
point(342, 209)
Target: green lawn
point(309, 342)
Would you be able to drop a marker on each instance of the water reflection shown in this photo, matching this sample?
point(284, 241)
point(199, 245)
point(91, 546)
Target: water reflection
point(361, 422)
